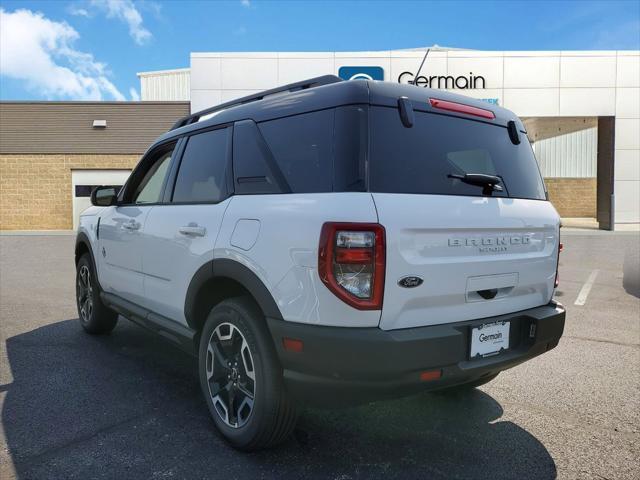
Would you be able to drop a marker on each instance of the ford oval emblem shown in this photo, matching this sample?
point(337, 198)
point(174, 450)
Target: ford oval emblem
point(411, 281)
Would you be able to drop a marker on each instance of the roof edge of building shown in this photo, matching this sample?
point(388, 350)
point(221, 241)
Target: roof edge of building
point(151, 73)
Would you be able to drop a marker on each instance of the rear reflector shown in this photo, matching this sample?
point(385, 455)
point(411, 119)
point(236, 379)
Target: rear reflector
point(430, 375)
point(461, 108)
point(557, 280)
point(292, 344)
point(354, 255)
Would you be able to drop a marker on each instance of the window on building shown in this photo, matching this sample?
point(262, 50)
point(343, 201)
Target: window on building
point(84, 191)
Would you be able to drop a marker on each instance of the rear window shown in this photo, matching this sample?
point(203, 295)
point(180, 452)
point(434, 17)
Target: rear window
point(420, 159)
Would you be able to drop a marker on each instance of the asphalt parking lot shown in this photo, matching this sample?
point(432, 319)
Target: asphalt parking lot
point(128, 405)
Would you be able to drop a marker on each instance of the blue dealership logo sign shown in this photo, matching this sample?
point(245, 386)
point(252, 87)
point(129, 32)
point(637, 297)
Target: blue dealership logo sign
point(361, 73)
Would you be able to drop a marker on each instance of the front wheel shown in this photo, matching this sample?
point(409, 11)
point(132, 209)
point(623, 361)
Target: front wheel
point(95, 317)
point(241, 377)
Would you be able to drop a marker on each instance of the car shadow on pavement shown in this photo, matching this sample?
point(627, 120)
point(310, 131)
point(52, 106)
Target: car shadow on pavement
point(128, 405)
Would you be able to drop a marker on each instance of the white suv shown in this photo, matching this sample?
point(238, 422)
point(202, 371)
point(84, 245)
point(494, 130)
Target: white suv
point(330, 242)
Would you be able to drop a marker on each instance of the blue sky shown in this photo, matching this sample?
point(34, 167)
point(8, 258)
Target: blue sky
point(92, 49)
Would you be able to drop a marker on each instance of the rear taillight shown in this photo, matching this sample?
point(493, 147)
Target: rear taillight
point(351, 262)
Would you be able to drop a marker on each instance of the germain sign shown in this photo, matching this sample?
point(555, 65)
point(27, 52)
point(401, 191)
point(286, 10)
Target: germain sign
point(361, 73)
point(448, 82)
point(443, 81)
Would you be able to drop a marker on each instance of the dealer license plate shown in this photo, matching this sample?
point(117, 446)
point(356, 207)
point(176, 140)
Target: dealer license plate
point(489, 339)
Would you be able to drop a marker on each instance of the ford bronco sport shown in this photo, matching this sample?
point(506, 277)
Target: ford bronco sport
point(329, 242)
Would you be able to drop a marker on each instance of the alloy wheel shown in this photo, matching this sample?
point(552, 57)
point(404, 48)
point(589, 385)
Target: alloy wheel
point(85, 293)
point(230, 375)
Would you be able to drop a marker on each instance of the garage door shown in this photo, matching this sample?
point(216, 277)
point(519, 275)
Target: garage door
point(84, 181)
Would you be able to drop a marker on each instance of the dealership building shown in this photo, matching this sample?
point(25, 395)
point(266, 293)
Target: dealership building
point(581, 110)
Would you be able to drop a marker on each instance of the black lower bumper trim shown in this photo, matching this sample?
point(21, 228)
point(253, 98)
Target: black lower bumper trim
point(350, 365)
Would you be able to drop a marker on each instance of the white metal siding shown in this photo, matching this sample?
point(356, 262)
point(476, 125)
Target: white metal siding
point(572, 155)
point(166, 85)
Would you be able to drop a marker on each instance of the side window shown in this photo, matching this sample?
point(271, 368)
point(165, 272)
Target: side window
point(302, 146)
point(254, 167)
point(146, 182)
point(149, 189)
point(202, 173)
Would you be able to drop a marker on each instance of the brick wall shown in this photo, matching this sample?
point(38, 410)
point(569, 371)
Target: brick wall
point(35, 190)
point(573, 197)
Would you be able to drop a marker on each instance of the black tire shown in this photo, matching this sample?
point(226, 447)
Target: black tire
point(95, 317)
point(269, 417)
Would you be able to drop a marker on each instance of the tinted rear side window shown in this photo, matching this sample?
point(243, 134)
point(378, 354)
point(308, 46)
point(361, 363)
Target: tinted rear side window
point(302, 146)
point(419, 159)
point(202, 173)
point(350, 148)
point(254, 167)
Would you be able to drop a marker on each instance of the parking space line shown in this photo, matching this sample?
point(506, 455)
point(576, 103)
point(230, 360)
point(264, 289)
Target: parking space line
point(586, 288)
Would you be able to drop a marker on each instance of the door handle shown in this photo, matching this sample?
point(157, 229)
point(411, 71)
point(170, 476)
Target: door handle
point(193, 230)
point(132, 225)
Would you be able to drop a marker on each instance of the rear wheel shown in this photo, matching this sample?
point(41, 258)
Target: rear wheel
point(241, 377)
point(94, 316)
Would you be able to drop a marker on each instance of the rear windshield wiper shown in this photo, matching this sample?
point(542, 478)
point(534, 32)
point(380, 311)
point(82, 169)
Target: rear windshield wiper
point(488, 182)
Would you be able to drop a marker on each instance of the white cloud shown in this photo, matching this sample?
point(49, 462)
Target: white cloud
point(245, 3)
point(78, 11)
point(127, 12)
point(40, 52)
point(135, 96)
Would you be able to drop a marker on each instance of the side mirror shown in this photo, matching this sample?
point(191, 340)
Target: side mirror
point(104, 196)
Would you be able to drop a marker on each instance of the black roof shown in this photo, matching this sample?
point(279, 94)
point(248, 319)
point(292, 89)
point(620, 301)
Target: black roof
point(326, 92)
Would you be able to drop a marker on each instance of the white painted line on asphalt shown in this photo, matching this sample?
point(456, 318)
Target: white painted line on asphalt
point(586, 288)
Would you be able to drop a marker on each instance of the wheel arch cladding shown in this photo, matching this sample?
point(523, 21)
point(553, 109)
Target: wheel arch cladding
point(218, 280)
point(83, 245)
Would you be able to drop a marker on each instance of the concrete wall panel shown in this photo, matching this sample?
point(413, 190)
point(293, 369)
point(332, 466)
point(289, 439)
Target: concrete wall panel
point(295, 69)
point(628, 103)
point(627, 201)
point(628, 71)
point(627, 165)
point(588, 71)
point(531, 72)
point(627, 134)
point(249, 73)
point(598, 102)
point(205, 73)
point(532, 102)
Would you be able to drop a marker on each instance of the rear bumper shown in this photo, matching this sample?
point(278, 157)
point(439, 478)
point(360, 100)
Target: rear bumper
point(352, 365)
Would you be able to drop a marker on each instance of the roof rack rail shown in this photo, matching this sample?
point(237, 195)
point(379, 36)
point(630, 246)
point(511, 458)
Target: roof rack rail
point(292, 87)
